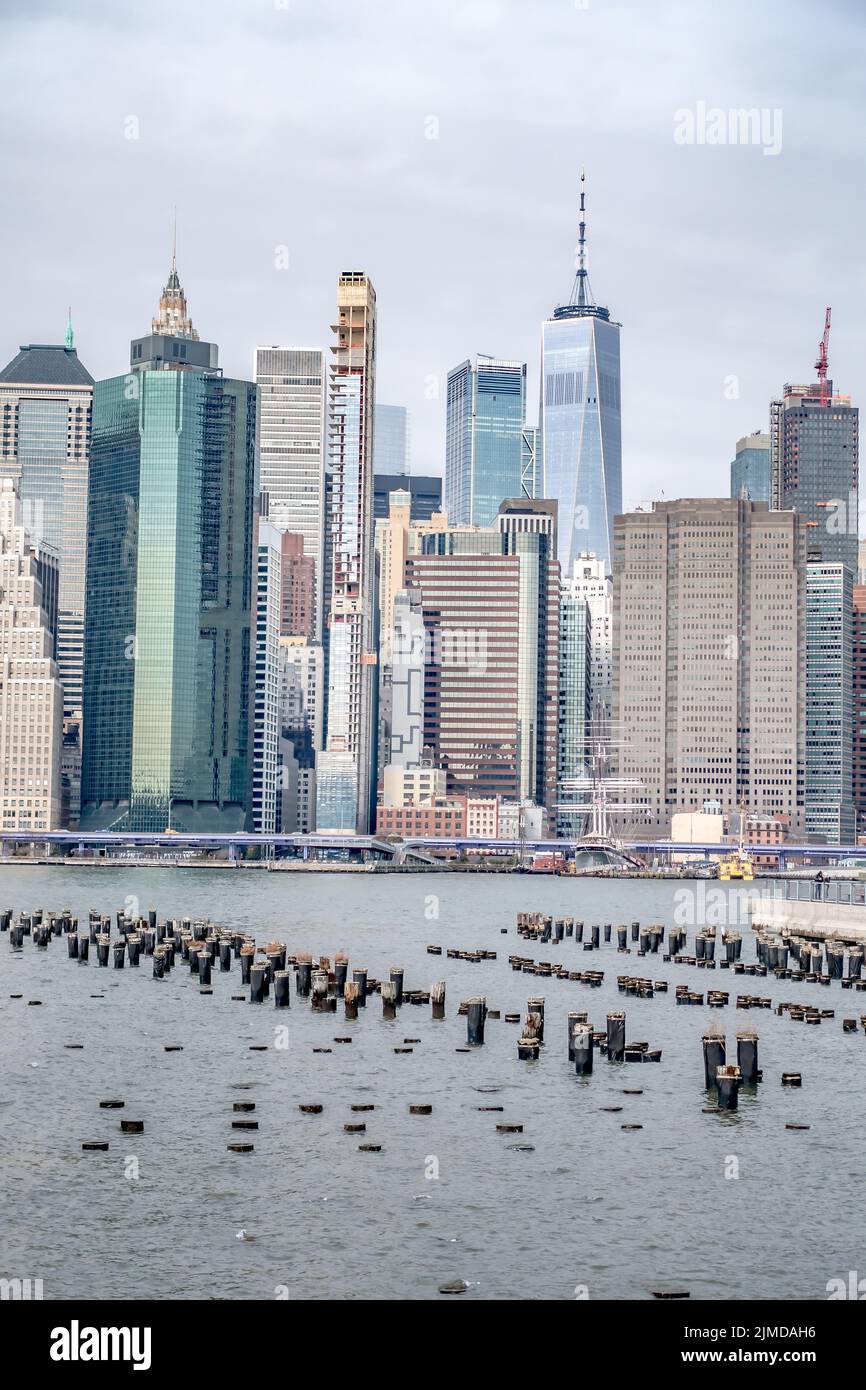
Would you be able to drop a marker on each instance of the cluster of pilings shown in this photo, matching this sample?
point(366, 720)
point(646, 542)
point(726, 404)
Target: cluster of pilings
point(555, 972)
point(726, 1078)
point(753, 1001)
point(644, 989)
point(804, 1013)
point(813, 962)
point(453, 953)
point(546, 929)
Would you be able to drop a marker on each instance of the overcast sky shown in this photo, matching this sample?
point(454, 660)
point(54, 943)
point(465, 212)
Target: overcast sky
point(306, 124)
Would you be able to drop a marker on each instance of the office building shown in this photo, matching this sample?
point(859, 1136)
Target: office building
point(750, 470)
point(425, 492)
point(490, 604)
point(830, 677)
point(589, 581)
point(814, 448)
point(45, 409)
point(266, 690)
point(170, 601)
point(579, 418)
point(346, 770)
point(292, 406)
point(301, 731)
point(485, 412)
point(709, 663)
point(575, 706)
point(31, 695)
point(859, 704)
point(298, 589)
point(391, 439)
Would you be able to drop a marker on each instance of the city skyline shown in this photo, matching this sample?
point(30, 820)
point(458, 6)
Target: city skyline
point(725, 231)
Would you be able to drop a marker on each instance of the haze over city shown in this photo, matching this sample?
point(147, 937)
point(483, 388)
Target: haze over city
point(439, 149)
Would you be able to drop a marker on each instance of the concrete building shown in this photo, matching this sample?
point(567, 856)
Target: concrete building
point(859, 704)
point(171, 581)
point(298, 608)
point(31, 695)
point(292, 407)
point(402, 694)
point(750, 470)
point(490, 602)
point(579, 418)
point(443, 817)
point(485, 413)
point(709, 668)
point(425, 490)
point(591, 581)
point(829, 703)
point(413, 786)
point(301, 720)
point(347, 768)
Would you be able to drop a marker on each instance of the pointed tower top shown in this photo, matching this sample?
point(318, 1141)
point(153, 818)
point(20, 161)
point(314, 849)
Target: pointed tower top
point(70, 337)
point(173, 318)
point(581, 302)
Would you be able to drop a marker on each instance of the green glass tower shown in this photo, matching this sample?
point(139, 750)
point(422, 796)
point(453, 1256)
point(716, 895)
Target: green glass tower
point(168, 640)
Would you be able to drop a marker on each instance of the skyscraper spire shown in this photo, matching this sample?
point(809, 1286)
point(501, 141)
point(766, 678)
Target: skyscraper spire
point(173, 318)
point(174, 243)
point(581, 301)
point(70, 337)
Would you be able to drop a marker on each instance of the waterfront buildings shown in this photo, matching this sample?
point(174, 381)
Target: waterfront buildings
point(750, 470)
point(346, 770)
point(579, 419)
point(575, 704)
point(266, 694)
point(829, 816)
point(292, 407)
point(301, 721)
point(391, 440)
point(709, 659)
point(591, 581)
point(31, 695)
point(485, 413)
point(169, 639)
point(490, 604)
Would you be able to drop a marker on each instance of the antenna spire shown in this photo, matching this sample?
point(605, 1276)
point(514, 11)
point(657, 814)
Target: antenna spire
point(580, 280)
point(70, 337)
point(174, 241)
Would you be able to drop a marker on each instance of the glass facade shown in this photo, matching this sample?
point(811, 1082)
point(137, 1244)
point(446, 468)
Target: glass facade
point(750, 470)
point(170, 590)
point(580, 425)
point(391, 439)
point(818, 458)
point(575, 666)
point(829, 703)
point(485, 411)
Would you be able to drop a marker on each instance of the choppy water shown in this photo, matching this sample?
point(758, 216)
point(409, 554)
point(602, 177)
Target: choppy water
point(622, 1212)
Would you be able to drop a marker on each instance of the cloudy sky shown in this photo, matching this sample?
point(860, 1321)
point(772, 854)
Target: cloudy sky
point(438, 147)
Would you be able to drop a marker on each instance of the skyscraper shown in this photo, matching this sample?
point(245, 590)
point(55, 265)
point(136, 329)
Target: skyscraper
point(169, 643)
point(45, 406)
point(490, 603)
point(391, 448)
point(425, 490)
point(31, 698)
point(292, 446)
point(575, 692)
point(589, 580)
point(709, 668)
point(485, 411)
point(579, 418)
point(829, 703)
point(750, 470)
point(266, 699)
point(815, 464)
point(346, 777)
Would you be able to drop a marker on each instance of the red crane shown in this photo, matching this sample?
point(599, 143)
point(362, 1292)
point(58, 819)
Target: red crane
point(821, 364)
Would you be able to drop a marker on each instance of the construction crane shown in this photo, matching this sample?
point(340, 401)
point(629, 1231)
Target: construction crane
point(821, 364)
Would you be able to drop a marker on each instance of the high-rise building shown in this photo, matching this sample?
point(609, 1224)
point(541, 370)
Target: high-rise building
point(485, 411)
point(45, 406)
point(750, 470)
point(169, 639)
point(829, 814)
point(590, 580)
point(346, 772)
point(579, 418)
point(404, 698)
point(530, 476)
point(391, 446)
point(709, 669)
point(266, 696)
point(301, 731)
point(490, 602)
point(859, 704)
point(814, 460)
point(31, 696)
point(425, 490)
point(298, 594)
point(292, 398)
point(575, 704)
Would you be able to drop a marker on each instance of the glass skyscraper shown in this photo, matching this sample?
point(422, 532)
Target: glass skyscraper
point(391, 439)
point(579, 419)
point(750, 470)
point(169, 645)
point(829, 703)
point(485, 411)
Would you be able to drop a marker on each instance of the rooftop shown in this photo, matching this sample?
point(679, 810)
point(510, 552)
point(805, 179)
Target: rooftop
point(46, 364)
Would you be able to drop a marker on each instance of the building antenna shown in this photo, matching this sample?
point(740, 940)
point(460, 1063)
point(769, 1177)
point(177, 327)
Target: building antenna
point(70, 337)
